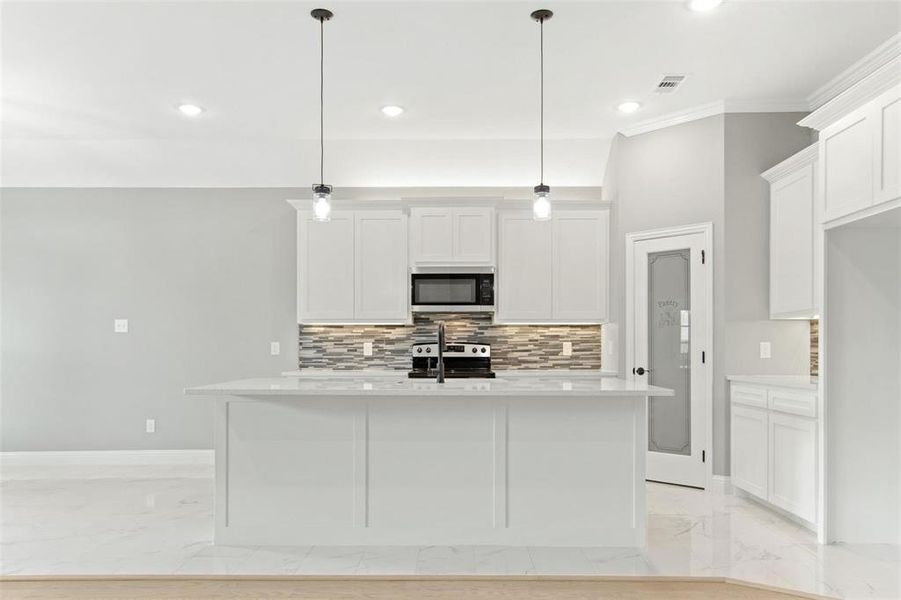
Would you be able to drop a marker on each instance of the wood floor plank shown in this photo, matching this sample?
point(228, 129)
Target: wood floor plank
point(532, 588)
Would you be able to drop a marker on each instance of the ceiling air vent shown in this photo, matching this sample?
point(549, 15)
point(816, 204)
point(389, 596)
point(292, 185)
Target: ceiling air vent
point(669, 84)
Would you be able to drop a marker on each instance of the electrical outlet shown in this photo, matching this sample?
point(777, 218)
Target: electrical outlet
point(120, 325)
point(275, 348)
point(150, 426)
point(766, 350)
point(567, 348)
point(367, 348)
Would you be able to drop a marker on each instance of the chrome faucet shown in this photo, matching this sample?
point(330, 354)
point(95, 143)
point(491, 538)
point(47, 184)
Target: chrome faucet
point(440, 378)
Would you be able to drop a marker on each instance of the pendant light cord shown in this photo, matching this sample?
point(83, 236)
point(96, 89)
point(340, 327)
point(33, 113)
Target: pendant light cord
point(541, 118)
point(321, 100)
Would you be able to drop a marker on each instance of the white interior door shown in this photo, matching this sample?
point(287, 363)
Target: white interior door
point(671, 304)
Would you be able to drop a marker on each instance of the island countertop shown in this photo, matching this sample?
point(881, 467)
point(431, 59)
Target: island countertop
point(361, 383)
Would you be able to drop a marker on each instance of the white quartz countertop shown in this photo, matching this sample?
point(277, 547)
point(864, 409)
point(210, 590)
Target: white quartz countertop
point(360, 383)
point(805, 382)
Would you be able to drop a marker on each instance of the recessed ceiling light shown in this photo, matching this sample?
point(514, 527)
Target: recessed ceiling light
point(190, 110)
point(628, 107)
point(392, 111)
point(703, 5)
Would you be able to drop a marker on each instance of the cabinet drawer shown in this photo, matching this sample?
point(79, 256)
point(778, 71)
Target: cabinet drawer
point(795, 402)
point(749, 395)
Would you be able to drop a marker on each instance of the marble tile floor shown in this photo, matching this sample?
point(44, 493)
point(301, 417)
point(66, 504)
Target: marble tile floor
point(158, 520)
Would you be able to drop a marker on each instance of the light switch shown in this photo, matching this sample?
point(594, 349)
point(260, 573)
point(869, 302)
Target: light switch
point(275, 348)
point(120, 325)
point(150, 426)
point(567, 348)
point(367, 348)
point(766, 350)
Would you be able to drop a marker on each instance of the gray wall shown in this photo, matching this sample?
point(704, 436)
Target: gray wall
point(709, 170)
point(863, 382)
point(205, 277)
point(754, 143)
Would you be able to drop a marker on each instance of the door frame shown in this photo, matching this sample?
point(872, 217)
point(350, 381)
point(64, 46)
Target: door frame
point(706, 229)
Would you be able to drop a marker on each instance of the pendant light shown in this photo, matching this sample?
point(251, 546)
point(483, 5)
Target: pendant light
point(541, 206)
point(322, 193)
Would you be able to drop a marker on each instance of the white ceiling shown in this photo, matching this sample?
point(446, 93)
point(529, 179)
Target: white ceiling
point(89, 89)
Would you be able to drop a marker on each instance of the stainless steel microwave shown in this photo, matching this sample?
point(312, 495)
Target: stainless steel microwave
point(452, 292)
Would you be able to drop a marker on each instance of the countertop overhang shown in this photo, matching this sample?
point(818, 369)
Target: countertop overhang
point(362, 384)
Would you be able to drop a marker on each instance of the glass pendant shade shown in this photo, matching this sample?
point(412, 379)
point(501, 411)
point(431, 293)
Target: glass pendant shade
point(322, 202)
point(541, 206)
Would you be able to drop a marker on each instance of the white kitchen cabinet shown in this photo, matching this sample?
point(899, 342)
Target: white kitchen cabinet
point(452, 235)
point(749, 449)
point(846, 161)
point(580, 265)
point(325, 267)
point(774, 449)
point(793, 464)
point(525, 268)
point(886, 119)
point(553, 271)
point(352, 268)
point(794, 237)
point(380, 273)
point(860, 157)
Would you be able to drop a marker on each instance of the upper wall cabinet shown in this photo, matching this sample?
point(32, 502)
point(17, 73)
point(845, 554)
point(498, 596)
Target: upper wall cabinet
point(794, 237)
point(847, 164)
point(352, 268)
point(887, 146)
point(452, 235)
point(860, 157)
point(553, 271)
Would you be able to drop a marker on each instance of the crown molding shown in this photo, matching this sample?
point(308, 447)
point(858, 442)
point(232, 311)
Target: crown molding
point(791, 164)
point(766, 106)
point(854, 97)
point(676, 118)
point(886, 53)
point(719, 107)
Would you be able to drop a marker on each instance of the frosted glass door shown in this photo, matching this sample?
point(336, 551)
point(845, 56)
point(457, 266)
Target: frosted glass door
point(671, 280)
point(669, 350)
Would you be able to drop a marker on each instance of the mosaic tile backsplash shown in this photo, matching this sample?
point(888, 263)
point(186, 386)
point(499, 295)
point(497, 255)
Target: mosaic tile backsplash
point(512, 346)
point(814, 348)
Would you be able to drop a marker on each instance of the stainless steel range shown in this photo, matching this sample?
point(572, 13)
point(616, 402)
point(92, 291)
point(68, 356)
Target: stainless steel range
point(461, 360)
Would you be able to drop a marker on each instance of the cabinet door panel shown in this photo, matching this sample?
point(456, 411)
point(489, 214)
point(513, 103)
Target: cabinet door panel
point(580, 265)
point(793, 466)
point(325, 273)
point(525, 269)
point(473, 240)
point(887, 149)
point(749, 449)
point(792, 244)
point(381, 266)
point(432, 235)
point(846, 161)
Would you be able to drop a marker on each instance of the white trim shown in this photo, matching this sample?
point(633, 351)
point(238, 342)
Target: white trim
point(713, 109)
point(807, 156)
point(106, 457)
point(862, 214)
point(766, 106)
point(631, 238)
point(676, 118)
point(887, 52)
point(853, 98)
point(721, 484)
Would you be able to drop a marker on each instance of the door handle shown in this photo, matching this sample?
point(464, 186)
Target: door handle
point(640, 371)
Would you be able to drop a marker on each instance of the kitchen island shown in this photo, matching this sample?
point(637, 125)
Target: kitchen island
point(373, 458)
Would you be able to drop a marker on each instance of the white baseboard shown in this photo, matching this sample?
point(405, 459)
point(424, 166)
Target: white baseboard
point(721, 484)
point(107, 457)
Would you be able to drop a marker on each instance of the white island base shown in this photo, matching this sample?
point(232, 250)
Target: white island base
point(548, 462)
